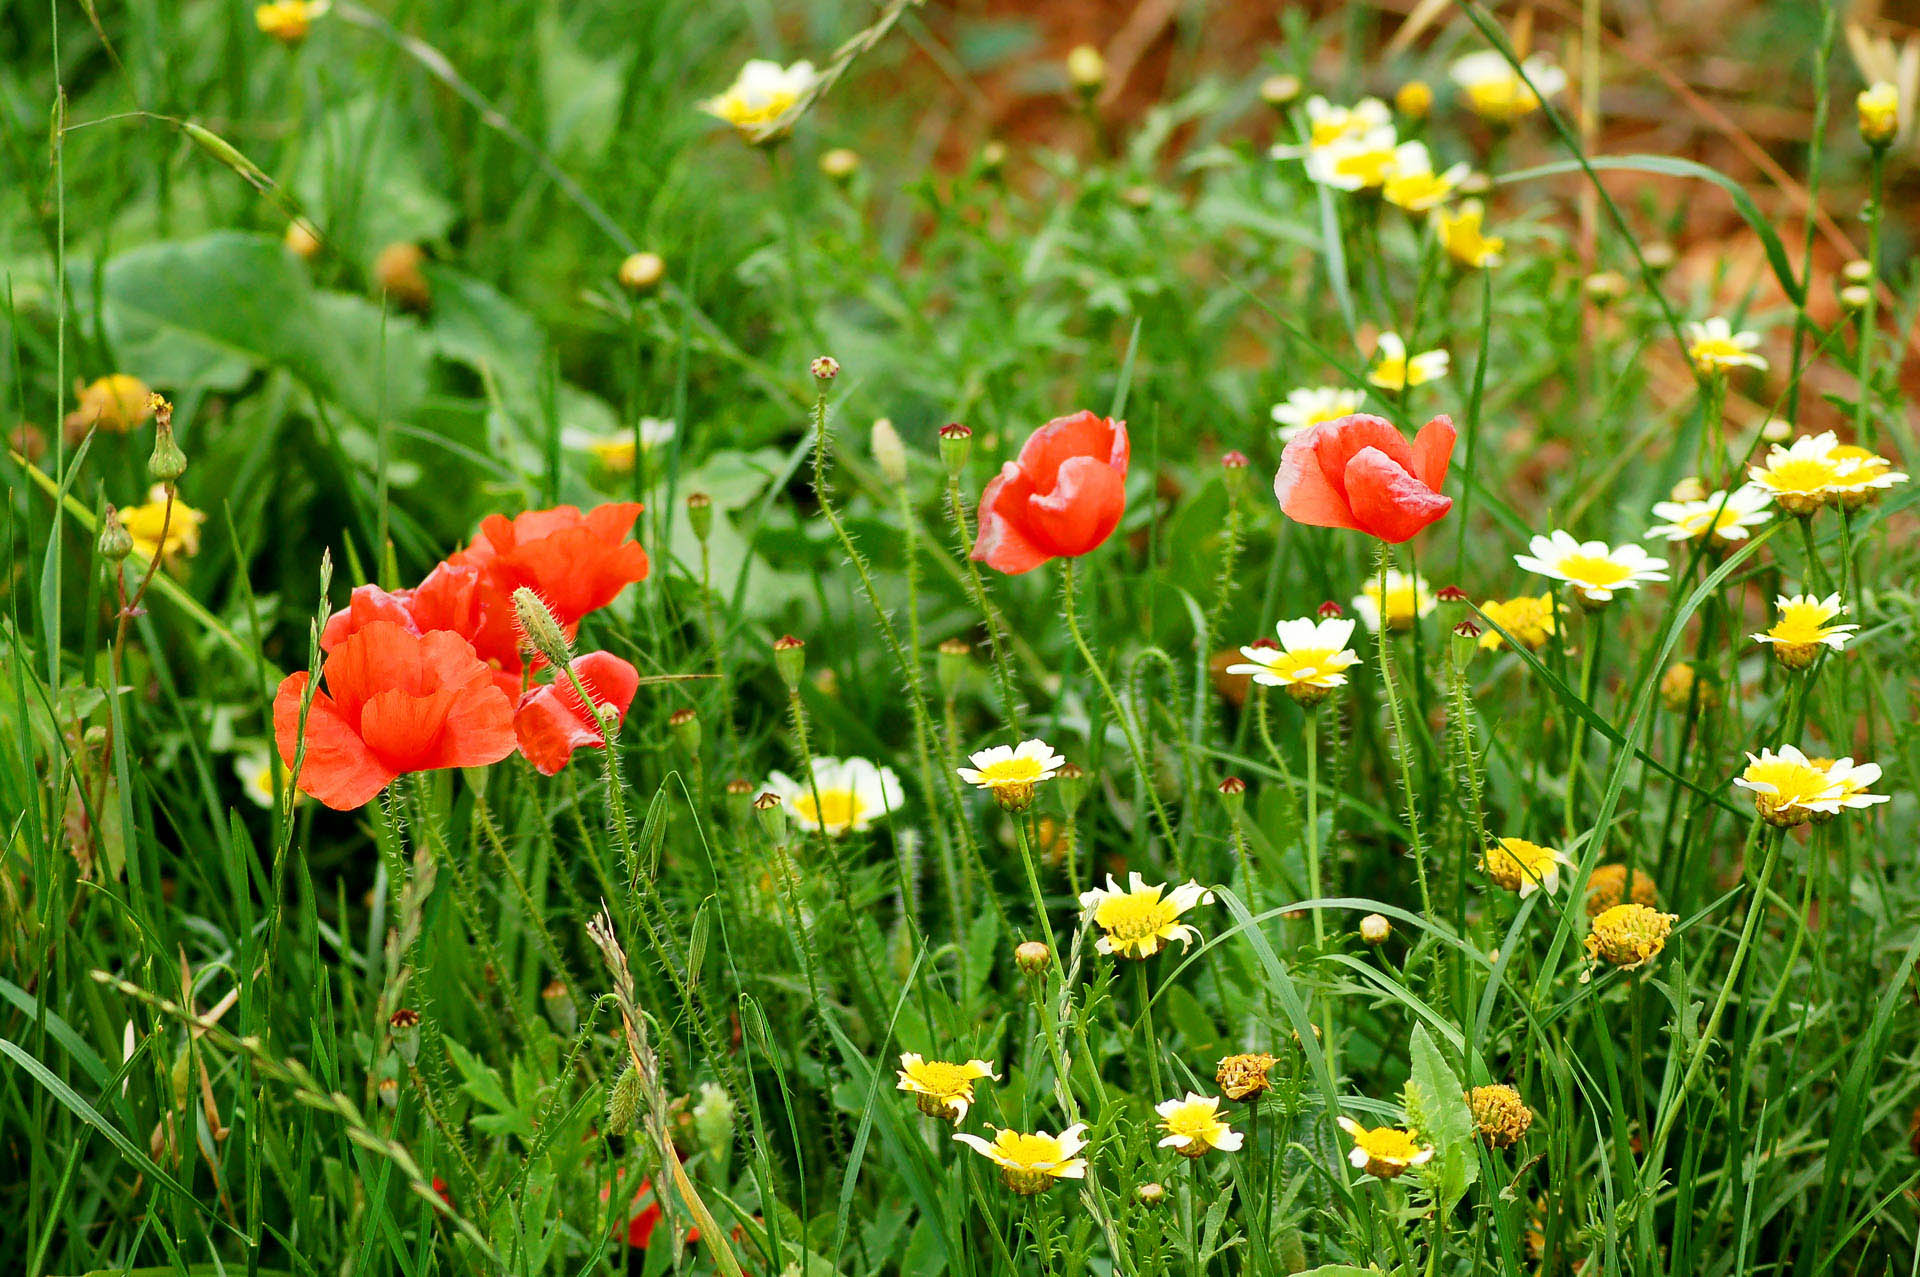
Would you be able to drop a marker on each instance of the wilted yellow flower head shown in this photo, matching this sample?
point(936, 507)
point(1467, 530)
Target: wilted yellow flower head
point(1803, 627)
point(115, 403)
point(1495, 90)
point(1522, 866)
point(761, 97)
point(1500, 1116)
point(288, 21)
point(1193, 1126)
point(1879, 110)
point(1607, 887)
point(1030, 1164)
point(1629, 936)
point(1244, 1077)
point(1140, 920)
point(158, 533)
point(1677, 688)
point(941, 1089)
point(1530, 618)
point(1714, 347)
point(1010, 772)
point(1460, 234)
point(1384, 1151)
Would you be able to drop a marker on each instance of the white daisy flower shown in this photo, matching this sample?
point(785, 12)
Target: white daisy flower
point(1308, 406)
point(840, 795)
point(1593, 568)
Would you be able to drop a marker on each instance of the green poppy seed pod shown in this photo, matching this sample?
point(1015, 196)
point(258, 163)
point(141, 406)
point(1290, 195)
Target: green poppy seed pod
point(1464, 643)
point(773, 815)
point(950, 663)
point(1233, 792)
point(404, 1026)
point(1233, 471)
point(700, 515)
point(790, 659)
point(115, 542)
point(388, 1092)
point(1070, 782)
point(956, 443)
point(538, 630)
point(167, 462)
point(684, 725)
point(739, 800)
point(560, 1008)
point(623, 1101)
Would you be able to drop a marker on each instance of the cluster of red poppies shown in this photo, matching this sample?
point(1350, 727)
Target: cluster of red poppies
point(1065, 493)
point(439, 675)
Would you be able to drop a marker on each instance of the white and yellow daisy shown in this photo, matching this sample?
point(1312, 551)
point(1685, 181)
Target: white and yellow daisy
point(1328, 123)
point(1139, 921)
point(941, 1089)
point(1497, 93)
point(1384, 1152)
point(761, 97)
point(614, 449)
point(1852, 780)
point(1412, 183)
point(1724, 516)
point(1404, 600)
point(1194, 1128)
point(1393, 370)
point(1030, 1163)
point(1459, 231)
point(1594, 569)
point(1863, 475)
point(1010, 772)
point(1312, 659)
point(1714, 347)
point(1788, 789)
point(1308, 406)
point(1804, 475)
point(1358, 162)
point(1803, 627)
point(1523, 867)
point(839, 795)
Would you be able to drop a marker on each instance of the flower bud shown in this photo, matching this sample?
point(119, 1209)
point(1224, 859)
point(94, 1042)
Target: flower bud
point(1659, 255)
point(840, 164)
point(1150, 1195)
point(1856, 297)
point(1857, 272)
point(1775, 430)
point(1414, 99)
point(302, 240)
point(1233, 792)
point(1329, 610)
point(1278, 91)
point(1605, 287)
point(397, 271)
point(993, 159)
point(388, 1092)
point(1086, 69)
point(824, 368)
point(1465, 642)
point(773, 815)
point(790, 659)
point(539, 632)
point(739, 792)
point(1688, 489)
point(684, 725)
point(167, 463)
point(1879, 111)
point(713, 1120)
point(1375, 929)
point(950, 663)
point(1233, 472)
point(700, 515)
point(623, 1101)
point(641, 273)
point(560, 1008)
point(404, 1027)
point(1032, 957)
point(956, 442)
point(115, 542)
point(888, 452)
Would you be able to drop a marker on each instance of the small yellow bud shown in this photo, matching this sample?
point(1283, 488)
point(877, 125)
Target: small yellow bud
point(397, 272)
point(1879, 108)
point(1086, 68)
point(840, 164)
point(1032, 957)
point(302, 240)
point(1857, 272)
point(1375, 929)
point(1414, 99)
point(1279, 90)
point(642, 272)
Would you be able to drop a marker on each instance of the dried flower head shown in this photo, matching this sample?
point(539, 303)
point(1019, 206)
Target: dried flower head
point(1500, 1117)
point(1244, 1076)
point(1629, 936)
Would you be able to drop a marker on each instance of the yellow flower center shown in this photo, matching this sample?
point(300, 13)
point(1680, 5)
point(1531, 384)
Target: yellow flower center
point(1308, 665)
point(1134, 917)
point(1011, 771)
point(943, 1079)
point(1370, 167)
point(1802, 474)
point(1417, 190)
point(1593, 572)
point(1388, 1144)
point(1712, 352)
point(1033, 1151)
point(836, 807)
point(1800, 623)
point(745, 113)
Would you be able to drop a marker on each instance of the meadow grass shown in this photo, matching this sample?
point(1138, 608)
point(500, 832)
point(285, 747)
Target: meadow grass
point(429, 263)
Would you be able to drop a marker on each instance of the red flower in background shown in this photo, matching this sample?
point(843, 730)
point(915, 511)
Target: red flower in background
point(395, 702)
point(552, 721)
point(577, 563)
point(1359, 472)
point(1061, 499)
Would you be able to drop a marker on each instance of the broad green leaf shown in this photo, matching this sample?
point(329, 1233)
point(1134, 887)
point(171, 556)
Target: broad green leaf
point(1437, 1108)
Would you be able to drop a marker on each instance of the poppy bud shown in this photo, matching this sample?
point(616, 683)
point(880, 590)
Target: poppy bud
point(824, 368)
point(700, 514)
point(685, 726)
point(950, 664)
point(840, 164)
point(888, 452)
point(956, 441)
point(1233, 792)
point(115, 542)
point(404, 1026)
point(167, 462)
point(790, 659)
point(1329, 610)
point(1466, 641)
point(641, 273)
point(623, 1101)
point(1032, 957)
point(1233, 471)
point(739, 792)
point(539, 632)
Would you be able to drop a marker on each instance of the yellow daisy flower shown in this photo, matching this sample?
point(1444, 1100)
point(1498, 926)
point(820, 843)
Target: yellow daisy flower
point(1384, 1152)
point(1011, 771)
point(1194, 1127)
point(1594, 569)
point(1140, 920)
point(1312, 659)
point(1787, 788)
point(1522, 866)
point(1405, 598)
point(1497, 93)
point(760, 98)
point(1413, 185)
point(1530, 618)
point(1460, 234)
point(1805, 475)
point(1628, 936)
point(1030, 1163)
point(1804, 626)
point(1724, 516)
point(288, 21)
point(146, 524)
point(1715, 348)
point(942, 1089)
point(1394, 370)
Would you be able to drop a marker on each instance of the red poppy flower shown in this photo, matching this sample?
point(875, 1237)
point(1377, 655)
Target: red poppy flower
point(1359, 472)
point(1062, 498)
point(577, 563)
point(552, 721)
point(395, 702)
point(448, 599)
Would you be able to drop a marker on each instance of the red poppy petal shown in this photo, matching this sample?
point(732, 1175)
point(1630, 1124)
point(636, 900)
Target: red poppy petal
point(1338, 441)
point(608, 680)
point(448, 599)
point(548, 732)
point(368, 604)
point(403, 728)
point(339, 770)
point(374, 658)
point(1084, 434)
point(1432, 450)
point(479, 726)
point(1388, 502)
point(1002, 543)
point(1305, 494)
point(612, 521)
point(1082, 510)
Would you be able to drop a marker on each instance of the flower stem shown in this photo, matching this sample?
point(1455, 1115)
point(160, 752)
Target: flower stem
point(1113, 701)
